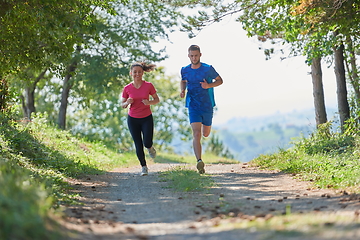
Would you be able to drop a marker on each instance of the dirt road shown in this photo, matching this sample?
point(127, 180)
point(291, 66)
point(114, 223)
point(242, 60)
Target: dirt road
point(123, 205)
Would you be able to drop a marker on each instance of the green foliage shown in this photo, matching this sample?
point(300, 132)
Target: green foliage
point(106, 120)
point(209, 158)
point(306, 26)
point(25, 198)
point(31, 142)
point(4, 95)
point(329, 159)
point(24, 204)
point(324, 141)
point(35, 161)
point(185, 180)
point(33, 31)
point(262, 137)
point(216, 146)
point(100, 45)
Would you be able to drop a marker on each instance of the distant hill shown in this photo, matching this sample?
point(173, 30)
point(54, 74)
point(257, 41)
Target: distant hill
point(247, 137)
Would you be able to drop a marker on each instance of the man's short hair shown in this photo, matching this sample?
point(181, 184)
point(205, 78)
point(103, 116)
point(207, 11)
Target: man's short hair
point(194, 48)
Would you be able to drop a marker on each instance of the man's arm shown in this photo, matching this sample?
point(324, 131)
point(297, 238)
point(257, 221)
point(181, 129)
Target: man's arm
point(217, 82)
point(182, 88)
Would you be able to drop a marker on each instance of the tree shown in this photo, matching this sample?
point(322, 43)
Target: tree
point(216, 146)
point(318, 92)
point(307, 26)
point(106, 120)
point(28, 97)
point(4, 95)
point(31, 31)
point(343, 104)
point(104, 47)
point(352, 70)
point(123, 38)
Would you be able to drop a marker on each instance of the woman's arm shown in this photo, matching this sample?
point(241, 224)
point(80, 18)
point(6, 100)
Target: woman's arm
point(154, 101)
point(125, 102)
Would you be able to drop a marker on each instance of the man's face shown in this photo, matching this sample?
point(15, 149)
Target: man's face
point(194, 57)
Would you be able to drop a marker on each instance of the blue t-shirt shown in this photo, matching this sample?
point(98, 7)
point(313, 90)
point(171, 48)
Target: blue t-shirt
point(197, 98)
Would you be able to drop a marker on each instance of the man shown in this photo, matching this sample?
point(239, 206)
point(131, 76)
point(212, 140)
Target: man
point(199, 79)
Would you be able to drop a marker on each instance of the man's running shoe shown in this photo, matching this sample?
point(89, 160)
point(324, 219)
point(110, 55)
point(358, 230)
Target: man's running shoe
point(144, 171)
point(200, 166)
point(152, 152)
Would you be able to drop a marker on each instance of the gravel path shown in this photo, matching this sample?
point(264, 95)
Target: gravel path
point(123, 205)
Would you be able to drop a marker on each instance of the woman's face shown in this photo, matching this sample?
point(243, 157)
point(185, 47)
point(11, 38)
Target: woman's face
point(137, 73)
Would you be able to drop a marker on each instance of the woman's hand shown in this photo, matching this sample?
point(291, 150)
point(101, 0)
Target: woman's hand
point(129, 101)
point(146, 101)
point(126, 102)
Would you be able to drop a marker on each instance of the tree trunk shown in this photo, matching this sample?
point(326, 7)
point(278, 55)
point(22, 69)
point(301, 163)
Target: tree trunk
point(66, 90)
point(318, 92)
point(29, 98)
point(353, 72)
point(4, 95)
point(65, 96)
point(343, 105)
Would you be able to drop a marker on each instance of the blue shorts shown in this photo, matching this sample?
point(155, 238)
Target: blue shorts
point(201, 116)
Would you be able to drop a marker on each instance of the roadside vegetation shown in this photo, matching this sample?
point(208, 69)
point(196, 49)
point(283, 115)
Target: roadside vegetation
point(185, 180)
point(37, 159)
point(327, 158)
point(59, 53)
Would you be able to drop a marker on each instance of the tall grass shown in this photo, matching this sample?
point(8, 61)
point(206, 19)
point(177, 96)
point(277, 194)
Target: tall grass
point(329, 159)
point(36, 159)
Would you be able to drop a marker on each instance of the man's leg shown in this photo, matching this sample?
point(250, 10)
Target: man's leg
point(206, 130)
point(196, 129)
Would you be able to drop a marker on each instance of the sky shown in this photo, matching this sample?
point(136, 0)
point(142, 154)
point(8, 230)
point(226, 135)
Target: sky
point(252, 85)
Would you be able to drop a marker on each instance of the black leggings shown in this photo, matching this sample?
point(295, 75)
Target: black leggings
point(142, 132)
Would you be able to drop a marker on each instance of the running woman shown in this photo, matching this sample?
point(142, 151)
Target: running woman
point(140, 120)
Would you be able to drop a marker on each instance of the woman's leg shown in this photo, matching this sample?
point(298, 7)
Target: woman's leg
point(148, 131)
point(135, 127)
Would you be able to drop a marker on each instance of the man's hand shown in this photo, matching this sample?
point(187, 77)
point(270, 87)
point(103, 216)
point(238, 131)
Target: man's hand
point(204, 84)
point(182, 94)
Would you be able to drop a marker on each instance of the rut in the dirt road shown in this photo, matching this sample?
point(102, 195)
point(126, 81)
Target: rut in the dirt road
point(123, 205)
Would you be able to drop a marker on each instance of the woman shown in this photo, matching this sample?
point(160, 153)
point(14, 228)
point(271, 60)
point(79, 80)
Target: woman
point(140, 119)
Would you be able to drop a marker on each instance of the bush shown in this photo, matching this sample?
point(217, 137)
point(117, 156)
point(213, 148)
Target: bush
point(326, 142)
point(24, 204)
point(329, 160)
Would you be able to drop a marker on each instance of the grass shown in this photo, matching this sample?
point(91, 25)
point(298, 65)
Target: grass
point(37, 159)
point(296, 226)
point(208, 159)
point(185, 180)
point(328, 158)
point(337, 171)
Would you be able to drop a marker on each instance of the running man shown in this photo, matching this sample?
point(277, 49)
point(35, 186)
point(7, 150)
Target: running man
point(199, 79)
